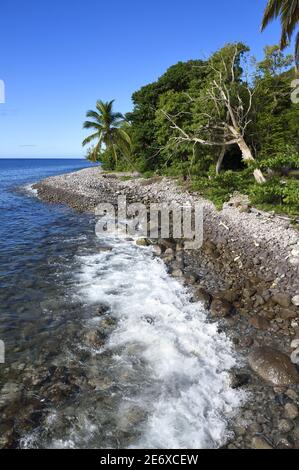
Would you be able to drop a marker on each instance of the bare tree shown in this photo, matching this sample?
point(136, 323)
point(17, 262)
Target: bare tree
point(225, 112)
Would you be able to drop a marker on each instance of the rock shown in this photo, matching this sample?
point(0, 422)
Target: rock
point(295, 253)
point(259, 323)
point(284, 300)
point(291, 411)
point(142, 242)
point(273, 366)
point(292, 395)
point(231, 295)
point(9, 393)
point(295, 300)
point(285, 425)
point(169, 252)
point(295, 433)
point(177, 273)
point(201, 295)
point(294, 261)
point(260, 443)
point(157, 250)
point(239, 380)
point(247, 341)
point(220, 308)
point(191, 278)
point(287, 314)
point(94, 338)
point(244, 208)
point(283, 443)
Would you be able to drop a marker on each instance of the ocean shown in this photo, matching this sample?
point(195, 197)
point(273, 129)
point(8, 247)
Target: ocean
point(103, 349)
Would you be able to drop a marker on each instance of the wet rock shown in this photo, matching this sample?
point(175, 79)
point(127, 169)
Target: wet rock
point(201, 295)
point(107, 326)
point(284, 300)
point(283, 443)
point(9, 393)
point(273, 366)
point(259, 442)
point(102, 309)
point(157, 250)
point(259, 323)
point(142, 242)
point(57, 392)
point(285, 425)
point(94, 338)
point(6, 436)
point(239, 379)
point(291, 411)
point(220, 308)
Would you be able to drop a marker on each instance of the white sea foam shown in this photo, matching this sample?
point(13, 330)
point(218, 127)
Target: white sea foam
point(186, 358)
point(29, 189)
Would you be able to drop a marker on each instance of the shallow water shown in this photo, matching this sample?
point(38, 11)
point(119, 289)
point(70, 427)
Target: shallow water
point(157, 374)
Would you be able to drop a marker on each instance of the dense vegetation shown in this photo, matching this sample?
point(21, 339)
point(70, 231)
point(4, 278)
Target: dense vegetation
point(221, 125)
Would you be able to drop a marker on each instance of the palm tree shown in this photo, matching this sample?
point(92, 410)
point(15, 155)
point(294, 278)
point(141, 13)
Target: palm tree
point(288, 10)
point(110, 131)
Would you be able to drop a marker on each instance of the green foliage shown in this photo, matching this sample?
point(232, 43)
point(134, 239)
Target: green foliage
point(285, 158)
point(149, 139)
point(280, 195)
point(220, 188)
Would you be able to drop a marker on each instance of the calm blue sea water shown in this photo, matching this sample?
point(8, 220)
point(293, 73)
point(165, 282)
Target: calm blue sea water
point(31, 235)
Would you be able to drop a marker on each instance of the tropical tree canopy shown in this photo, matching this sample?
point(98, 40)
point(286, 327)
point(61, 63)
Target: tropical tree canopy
point(110, 131)
point(288, 11)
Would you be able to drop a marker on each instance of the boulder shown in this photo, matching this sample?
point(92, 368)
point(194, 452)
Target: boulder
point(220, 308)
point(142, 242)
point(259, 323)
point(295, 300)
point(260, 443)
point(284, 300)
point(177, 273)
point(273, 366)
point(291, 411)
point(94, 338)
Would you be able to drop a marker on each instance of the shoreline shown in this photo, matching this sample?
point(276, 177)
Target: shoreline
point(246, 275)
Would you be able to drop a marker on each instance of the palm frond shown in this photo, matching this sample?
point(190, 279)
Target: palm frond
point(272, 11)
point(92, 125)
point(90, 138)
point(93, 114)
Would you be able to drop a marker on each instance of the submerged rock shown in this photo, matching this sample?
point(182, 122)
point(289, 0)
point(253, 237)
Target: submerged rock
point(273, 366)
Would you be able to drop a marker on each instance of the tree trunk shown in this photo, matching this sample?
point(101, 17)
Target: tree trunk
point(248, 157)
point(220, 159)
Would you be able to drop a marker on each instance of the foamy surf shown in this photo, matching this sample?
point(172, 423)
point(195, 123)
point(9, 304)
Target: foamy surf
point(183, 398)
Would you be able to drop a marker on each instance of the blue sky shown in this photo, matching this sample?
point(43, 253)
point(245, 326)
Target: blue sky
point(58, 57)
